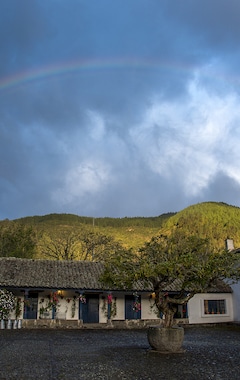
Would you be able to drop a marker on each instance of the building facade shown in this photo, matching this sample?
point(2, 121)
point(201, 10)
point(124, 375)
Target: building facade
point(51, 292)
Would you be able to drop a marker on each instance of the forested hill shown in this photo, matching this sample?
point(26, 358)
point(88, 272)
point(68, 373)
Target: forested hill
point(29, 236)
point(216, 221)
point(75, 220)
point(130, 232)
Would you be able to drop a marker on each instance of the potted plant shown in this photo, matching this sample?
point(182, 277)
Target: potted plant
point(175, 267)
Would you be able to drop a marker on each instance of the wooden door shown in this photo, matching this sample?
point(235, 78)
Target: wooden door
point(130, 313)
point(32, 306)
point(90, 309)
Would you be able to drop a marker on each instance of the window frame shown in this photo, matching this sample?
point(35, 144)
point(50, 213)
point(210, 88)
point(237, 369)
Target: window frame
point(215, 314)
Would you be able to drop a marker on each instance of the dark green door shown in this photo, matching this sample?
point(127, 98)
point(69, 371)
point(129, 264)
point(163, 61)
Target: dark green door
point(32, 306)
point(130, 312)
point(90, 309)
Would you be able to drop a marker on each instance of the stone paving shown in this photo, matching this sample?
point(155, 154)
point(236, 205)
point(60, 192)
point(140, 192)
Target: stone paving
point(211, 353)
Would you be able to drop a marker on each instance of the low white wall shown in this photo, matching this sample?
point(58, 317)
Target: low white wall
point(196, 308)
point(149, 310)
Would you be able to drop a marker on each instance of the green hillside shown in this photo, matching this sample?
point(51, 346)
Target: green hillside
point(29, 236)
point(130, 232)
point(216, 221)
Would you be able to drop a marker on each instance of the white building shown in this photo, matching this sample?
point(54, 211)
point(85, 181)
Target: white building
point(59, 292)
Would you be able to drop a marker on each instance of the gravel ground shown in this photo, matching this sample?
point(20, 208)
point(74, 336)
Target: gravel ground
point(211, 353)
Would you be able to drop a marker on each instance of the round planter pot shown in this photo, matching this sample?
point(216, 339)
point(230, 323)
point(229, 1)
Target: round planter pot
point(166, 340)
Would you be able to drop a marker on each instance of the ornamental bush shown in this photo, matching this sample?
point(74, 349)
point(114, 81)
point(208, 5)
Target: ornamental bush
point(7, 303)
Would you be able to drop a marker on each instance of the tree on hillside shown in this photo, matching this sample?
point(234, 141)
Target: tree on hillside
point(84, 245)
point(96, 246)
point(186, 264)
point(63, 247)
point(17, 240)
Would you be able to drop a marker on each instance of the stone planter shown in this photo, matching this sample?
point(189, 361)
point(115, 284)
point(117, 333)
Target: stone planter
point(166, 340)
point(2, 324)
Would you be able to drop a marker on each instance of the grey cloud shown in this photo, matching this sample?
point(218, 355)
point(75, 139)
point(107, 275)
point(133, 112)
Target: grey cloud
point(140, 131)
point(216, 22)
point(222, 188)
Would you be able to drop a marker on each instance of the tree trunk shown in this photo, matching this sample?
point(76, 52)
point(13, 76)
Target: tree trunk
point(168, 305)
point(169, 314)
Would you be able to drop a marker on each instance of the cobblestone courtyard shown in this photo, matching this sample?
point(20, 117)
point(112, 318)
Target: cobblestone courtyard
point(211, 353)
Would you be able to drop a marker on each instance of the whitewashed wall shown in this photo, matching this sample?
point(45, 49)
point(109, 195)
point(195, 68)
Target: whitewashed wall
point(12, 315)
point(196, 308)
point(65, 307)
point(149, 310)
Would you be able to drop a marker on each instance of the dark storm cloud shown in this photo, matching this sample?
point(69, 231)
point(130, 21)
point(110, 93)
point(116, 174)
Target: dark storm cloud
point(118, 108)
point(223, 187)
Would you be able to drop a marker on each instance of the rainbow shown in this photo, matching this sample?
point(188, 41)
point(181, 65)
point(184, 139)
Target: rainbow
point(84, 65)
point(58, 69)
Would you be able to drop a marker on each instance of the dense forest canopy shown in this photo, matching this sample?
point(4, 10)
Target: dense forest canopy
point(130, 232)
point(74, 220)
point(211, 220)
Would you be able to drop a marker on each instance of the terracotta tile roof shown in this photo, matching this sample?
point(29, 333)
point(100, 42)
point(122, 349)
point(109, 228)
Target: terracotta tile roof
point(78, 275)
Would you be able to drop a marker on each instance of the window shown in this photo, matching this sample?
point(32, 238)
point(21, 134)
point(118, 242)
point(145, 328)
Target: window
point(182, 311)
point(214, 306)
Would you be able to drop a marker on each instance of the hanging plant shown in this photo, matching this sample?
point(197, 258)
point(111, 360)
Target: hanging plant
point(136, 303)
point(109, 299)
point(73, 306)
point(82, 298)
point(136, 306)
point(18, 308)
point(53, 300)
point(26, 303)
point(113, 306)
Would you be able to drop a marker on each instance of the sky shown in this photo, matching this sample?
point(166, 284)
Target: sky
point(118, 108)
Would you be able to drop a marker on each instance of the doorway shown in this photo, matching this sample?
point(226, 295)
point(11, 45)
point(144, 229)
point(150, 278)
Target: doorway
point(31, 306)
point(90, 309)
point(130, 312)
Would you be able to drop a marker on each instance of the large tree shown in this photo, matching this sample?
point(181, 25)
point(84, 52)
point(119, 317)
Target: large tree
point(64, 246)
point(186, 264)
point(82, 245)
point(17, 240)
